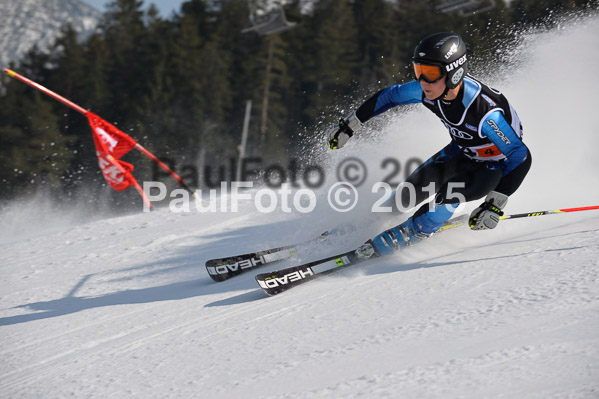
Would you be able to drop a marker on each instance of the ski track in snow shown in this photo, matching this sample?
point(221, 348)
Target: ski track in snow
point(123, 306)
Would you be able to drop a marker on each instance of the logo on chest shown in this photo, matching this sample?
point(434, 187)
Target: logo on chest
point(457, 133)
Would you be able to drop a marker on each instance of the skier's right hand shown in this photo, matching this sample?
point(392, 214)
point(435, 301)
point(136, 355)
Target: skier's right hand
point(340, 134)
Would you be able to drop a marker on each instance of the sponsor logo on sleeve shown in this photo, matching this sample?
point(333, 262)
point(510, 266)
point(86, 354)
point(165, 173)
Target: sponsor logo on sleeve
point(488, 99)
point(498, 131)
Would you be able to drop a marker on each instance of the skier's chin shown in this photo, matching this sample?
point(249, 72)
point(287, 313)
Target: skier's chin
point(432, 96)
point(432, 91)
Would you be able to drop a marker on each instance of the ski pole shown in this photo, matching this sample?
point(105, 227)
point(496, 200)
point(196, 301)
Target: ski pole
point(556, 211)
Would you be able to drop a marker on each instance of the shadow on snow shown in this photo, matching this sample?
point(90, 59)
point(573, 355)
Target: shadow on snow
point(192, 262)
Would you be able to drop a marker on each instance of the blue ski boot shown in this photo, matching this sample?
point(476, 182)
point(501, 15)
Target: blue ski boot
point(397, 237)
point(421, 226)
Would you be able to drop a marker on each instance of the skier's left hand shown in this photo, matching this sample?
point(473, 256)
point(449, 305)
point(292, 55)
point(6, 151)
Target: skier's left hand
point(486, 216)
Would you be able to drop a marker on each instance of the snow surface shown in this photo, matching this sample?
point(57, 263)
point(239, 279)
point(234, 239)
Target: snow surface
point(98, 306)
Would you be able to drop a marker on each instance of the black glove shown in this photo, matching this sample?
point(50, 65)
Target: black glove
point(340, 134)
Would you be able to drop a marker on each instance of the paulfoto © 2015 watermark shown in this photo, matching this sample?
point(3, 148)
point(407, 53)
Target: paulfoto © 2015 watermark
point(340, 197)
point(285, 193)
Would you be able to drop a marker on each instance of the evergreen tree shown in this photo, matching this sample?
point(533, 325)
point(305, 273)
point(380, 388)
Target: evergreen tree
point(72, 79)
point(126, 38)
point(331, 59)
point(379, 36)
point(33, 151)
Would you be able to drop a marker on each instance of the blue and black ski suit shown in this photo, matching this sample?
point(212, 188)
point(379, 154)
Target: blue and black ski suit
point(486, 152)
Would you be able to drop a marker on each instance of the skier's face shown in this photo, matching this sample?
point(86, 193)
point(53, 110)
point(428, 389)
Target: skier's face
point(433, 90)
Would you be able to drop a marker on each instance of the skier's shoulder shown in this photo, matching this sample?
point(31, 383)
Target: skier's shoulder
point(403, 93)
point(410, 86)
point(485, 91)
point(483, 97)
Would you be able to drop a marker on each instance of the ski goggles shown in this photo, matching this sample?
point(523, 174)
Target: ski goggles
point(430, 73)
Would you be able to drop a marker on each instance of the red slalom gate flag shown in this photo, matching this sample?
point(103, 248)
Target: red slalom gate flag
point(111, 145)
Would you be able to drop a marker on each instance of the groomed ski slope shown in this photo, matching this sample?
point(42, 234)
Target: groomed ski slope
point(107, 309)
point(123, 306)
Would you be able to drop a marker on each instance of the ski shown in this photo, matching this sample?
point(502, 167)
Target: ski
point(278, 281)
point(221, 269)
point(224, 268)
point(281, 280)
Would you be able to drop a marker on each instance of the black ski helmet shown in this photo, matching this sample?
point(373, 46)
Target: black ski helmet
point(447, 50)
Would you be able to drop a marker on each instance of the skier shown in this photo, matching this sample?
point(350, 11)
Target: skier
point(486, 155)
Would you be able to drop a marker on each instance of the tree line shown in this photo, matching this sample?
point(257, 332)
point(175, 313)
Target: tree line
point(179, 85)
